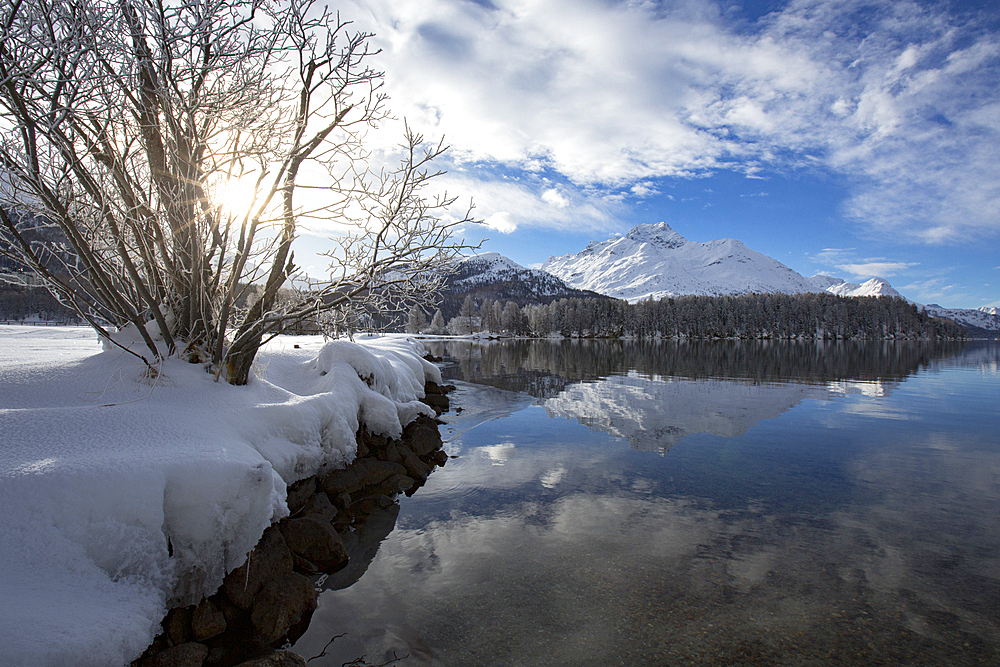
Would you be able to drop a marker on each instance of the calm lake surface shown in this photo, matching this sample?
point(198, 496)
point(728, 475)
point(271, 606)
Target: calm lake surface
point(703, 503)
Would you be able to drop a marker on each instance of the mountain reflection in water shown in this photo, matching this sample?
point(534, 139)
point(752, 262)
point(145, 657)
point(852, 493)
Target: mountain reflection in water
point(812, 504)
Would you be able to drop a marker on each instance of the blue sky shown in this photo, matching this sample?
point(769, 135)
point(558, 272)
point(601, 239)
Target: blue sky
point(843, 137)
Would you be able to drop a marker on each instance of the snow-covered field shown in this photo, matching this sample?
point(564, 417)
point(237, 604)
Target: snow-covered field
point(120, 492)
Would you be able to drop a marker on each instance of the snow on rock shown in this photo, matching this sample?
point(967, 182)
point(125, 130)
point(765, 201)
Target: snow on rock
point(122, 491)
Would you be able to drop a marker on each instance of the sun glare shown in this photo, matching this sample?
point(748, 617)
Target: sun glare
point(235, 195)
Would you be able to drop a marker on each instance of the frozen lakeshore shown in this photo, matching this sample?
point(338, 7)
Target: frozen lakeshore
point(124, 493)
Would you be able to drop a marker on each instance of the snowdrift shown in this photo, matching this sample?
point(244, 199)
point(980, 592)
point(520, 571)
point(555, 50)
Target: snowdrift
point(123, 491)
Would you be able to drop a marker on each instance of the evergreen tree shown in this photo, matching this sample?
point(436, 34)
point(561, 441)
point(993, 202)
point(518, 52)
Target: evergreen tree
point(416, 321)
point(437, 323)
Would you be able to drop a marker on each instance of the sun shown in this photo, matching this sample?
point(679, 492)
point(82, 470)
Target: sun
point(235, 196)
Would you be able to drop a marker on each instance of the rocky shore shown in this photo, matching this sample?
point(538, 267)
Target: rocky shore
point(269, 600)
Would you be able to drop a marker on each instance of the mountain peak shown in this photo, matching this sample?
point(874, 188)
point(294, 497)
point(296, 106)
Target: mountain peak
point(660, 234)
point(871, 287)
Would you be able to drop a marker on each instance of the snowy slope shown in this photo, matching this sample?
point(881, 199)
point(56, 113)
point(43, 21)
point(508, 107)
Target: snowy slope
point(984, 317)
point(873, 287)
point(655, 261)
point(490, 268)
point(120, 492)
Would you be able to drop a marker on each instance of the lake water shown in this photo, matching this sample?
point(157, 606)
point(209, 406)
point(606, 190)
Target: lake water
point(704, 503)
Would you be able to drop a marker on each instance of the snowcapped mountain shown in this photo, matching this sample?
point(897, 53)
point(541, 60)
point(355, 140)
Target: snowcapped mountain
point(873, 287)
point(492, 276)
point(490, 268)
point(655, 261)
point(984, 317)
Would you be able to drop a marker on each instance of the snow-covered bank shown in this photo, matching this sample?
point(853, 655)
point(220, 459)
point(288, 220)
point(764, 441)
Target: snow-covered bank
point(120, 492)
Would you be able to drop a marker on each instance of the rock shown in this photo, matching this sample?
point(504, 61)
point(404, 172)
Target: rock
point(341, 500)
point(314, 539)
point(440, 457)
point(422, 436)
point(416, 468)
point(270, 559)
point(190, 654)
point(207, 621)
point(276, 659)
point(320, 505)
point(363, 508)
point(376, 441)
point(439, 402)
point(177, 624)
point(299, 494)
point(361, 473)
point(392, 453)
point(392, 486)
point(280, 604)
point(304, 566)
point(234, 615)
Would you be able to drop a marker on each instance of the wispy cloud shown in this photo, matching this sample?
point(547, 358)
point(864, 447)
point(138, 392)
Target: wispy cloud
point(873, 269)
point(860, 268)
point(900, 97)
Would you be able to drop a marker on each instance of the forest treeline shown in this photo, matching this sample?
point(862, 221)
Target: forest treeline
point(752, 316)
point(18, 302)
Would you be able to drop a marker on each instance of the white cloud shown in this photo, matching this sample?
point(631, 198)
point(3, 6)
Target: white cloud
point(898, 96)
point(502, 221)
point(531, 201)
point(859, 268)
point(645, 190)
point(553, 197)
point(872, 269)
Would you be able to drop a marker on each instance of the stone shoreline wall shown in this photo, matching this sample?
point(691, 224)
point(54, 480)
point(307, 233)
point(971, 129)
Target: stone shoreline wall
point(269, 600)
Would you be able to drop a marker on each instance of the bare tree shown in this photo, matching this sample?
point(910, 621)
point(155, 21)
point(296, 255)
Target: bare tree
point(124, 119)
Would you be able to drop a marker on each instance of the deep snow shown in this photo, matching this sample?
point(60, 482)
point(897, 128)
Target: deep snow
point(105, 472)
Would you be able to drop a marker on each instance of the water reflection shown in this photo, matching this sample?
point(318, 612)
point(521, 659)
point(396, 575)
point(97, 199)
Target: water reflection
point(543, 367)
point(654, 414)
point(837, 518)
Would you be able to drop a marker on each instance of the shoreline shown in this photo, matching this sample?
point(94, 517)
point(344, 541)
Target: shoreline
point(269, 600)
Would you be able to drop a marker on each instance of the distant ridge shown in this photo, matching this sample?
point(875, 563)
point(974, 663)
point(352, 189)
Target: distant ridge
point(654, 261)
point(492, 276)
